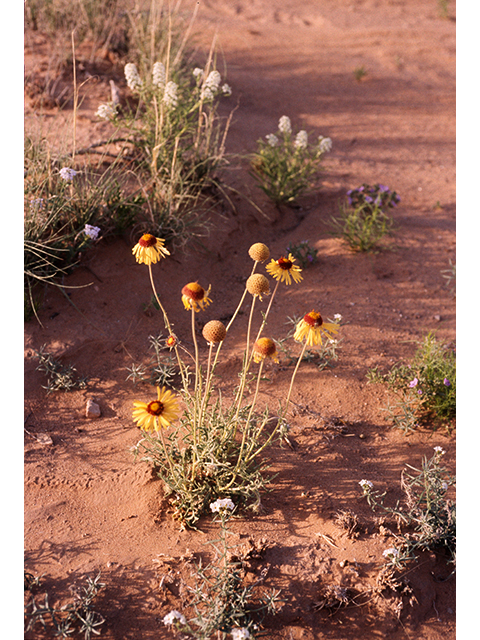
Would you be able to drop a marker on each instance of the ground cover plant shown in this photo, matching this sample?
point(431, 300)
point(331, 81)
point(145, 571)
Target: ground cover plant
point(362, 221)
point(425, 389)
point(293, 551)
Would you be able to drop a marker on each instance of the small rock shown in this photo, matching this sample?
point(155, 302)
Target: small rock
point(92, 410)
point(437, 318)
point(44, 438)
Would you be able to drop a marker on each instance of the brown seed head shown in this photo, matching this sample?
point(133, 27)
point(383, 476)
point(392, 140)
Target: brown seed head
point(259, 252)
point(214, 331)
point(258, 285)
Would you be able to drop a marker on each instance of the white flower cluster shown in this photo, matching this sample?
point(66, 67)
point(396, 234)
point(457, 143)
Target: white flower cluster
point(106, 111)
point(391, 553)
point(211, 85)
point(68, 174)
point(439, 451)
point(337, 317)
point(170, 96)
point(221, 504)
point(91, 231)
point(366, 484)
point(197, 72)
point(324, 144)
point(272, 139)
point(226, 90)
point(170, 618)
point(134, 81)
point(159, 75)
point(284, 125)
point(301, 140)
point(240, 634)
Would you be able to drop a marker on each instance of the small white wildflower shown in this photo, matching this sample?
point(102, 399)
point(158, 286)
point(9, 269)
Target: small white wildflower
point(444, 486)
point(391, 553)
point(240, 634)
point(226, 90)
point(324, 144)
point(301, 140)
point(284, 125)
point(68, 174)
point(337, 317)
point(366, 484)
point(91, 231)
point(272, 139)
point(170, 96)
point(211, 85)
point(106, 111)
point(220, 504)
point(170, 618)
point(134, 81)
point(439, 451)
point(197, 72)
point(333, 342)
point(158, 75)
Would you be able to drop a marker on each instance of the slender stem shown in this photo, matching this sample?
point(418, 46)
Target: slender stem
point(167, 326)
point(241, 389)
point(293, 377)
point(166, 453)
point(242, 299)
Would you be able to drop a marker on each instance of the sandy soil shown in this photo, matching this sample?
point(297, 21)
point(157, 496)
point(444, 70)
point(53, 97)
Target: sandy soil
point(89, 507)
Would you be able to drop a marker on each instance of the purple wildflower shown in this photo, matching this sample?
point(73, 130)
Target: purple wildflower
point(446, 382)
point(413, 383)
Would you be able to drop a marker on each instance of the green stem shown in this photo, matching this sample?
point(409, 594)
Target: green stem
point(293, 377)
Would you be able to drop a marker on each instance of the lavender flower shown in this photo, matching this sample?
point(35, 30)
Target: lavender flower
point(413, 383)
point(68, 174)
point(91, 231)
point(447, 382)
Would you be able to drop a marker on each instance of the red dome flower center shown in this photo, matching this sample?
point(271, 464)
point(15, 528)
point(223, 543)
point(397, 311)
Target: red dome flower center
point(155, 408)
point(313, 319)
point(285, 264)
point(147, 240)
point(193, 291)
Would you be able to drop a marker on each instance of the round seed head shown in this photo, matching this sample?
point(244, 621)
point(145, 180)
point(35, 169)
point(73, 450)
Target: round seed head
point(259, 252)
point(258, 285)
point(193, 291)
point(214, 331)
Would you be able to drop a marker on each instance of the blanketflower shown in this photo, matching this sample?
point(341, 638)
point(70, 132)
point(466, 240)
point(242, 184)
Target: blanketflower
point(222, 503)
point(68, 174)
point(157, 414)
point(214, 331)
point(171, 341)
point(195, 297)
point(257, 284)
point(134, 81)
point(259, 252)
point(149, 249)
point(284, 270)
point(170, 618)
point(265, 348)
point(91, 231)
point(311, 328)
point(284, 125)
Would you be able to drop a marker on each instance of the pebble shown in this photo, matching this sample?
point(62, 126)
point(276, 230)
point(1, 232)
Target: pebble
point(92, 410)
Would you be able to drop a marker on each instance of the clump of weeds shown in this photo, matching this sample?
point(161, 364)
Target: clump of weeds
point(362, 222)
point(425, 389)
point(60, 377)
point(74, 619)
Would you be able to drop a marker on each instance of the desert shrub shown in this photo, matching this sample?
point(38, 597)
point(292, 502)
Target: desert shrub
point(303, 252)
point(362, 221)
point(221, 601)
point(427, 518)
point(216, 450)
point(425, 389)
point(75, 617)
point(59, 377)
point(284, 164)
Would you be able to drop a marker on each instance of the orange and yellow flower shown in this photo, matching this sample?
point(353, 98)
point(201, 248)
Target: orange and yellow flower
point(311, 328)
point(149, 249)
point(157, 414)
point(195, 297)
point(284, 270)
point(265, 348)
